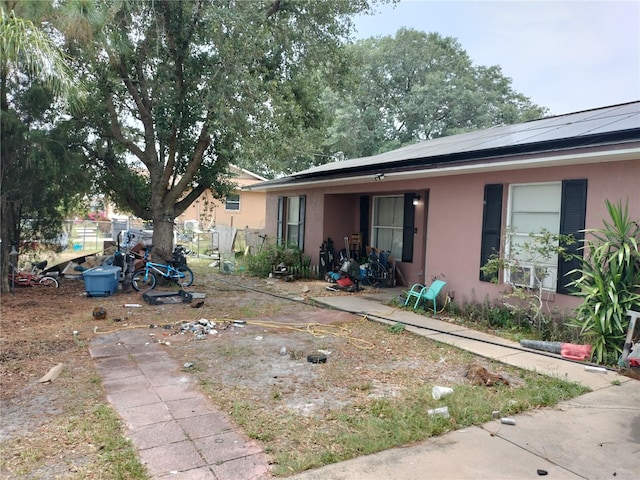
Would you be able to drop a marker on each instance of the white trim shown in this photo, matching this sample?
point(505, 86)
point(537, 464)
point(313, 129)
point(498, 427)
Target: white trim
point(510, 234)
point(247, 172)
point(226, 202)
point(374, 227)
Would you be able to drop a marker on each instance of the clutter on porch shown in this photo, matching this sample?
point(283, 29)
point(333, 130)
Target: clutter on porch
point(354, 266)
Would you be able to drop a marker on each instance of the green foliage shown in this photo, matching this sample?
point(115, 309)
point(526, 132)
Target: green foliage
point(416, 86)
point(534, 257)
point(497, 316)
point(609, 283)
point(397, 327)
point(38, 146)
point(272, 255)
point(210, 84)
point(26, 47)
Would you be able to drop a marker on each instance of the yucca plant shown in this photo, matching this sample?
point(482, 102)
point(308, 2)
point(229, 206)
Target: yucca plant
point(609, 283)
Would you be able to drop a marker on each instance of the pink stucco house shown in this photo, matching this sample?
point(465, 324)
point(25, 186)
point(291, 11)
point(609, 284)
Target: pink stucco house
point(442, 206)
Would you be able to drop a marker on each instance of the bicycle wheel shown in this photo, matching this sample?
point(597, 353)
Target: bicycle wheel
point(143, 280)
point(378, 274)
point(186, 276)
point(49, 282)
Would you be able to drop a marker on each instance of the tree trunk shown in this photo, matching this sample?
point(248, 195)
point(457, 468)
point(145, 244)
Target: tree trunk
point(163, 237)
point(9, 237)
point(5, 244)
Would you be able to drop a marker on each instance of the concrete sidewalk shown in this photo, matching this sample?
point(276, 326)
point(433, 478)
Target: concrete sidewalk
point(595, 436)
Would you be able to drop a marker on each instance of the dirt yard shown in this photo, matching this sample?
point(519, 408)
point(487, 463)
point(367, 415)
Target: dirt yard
point(42, 327)
point(265, 329)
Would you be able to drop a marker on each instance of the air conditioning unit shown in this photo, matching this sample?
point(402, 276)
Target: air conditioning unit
point(192, 225)
point(524, 276)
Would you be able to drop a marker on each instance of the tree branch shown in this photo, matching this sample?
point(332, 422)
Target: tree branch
point(116, 131)
point(273, 8)
point(204, 140)
point(146, 116)
point(193, 195)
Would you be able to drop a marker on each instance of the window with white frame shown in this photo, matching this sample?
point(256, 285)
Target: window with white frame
point(388, 223)
point(291, 213)
point(232, 202)
point(533, 208)
point(293, 216)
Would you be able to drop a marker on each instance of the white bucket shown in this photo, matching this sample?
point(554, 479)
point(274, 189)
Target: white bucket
point(441, 392)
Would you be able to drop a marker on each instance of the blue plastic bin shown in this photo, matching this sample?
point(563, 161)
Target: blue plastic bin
point(101, 281)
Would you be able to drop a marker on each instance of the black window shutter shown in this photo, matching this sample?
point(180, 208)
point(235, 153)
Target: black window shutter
point(280, 226)
point(573, 211)
point(301, 213)
point(364, 220)
point(408, 228)
point(491, 226)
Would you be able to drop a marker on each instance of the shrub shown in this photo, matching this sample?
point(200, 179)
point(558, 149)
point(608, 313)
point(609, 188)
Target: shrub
point(609, 283)
point(272, 255)
point(533, 257)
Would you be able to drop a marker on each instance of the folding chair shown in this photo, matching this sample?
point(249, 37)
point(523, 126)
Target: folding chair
point(421, 292)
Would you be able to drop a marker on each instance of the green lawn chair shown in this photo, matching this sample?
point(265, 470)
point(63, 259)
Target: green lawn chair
point(421, 292)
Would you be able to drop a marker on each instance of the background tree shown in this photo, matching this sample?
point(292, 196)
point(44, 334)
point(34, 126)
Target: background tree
point(39, 170)
point(183, 89)
point(417, 86)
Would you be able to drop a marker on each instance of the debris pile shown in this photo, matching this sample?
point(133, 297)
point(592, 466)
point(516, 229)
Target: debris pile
point(200, 328)
point(478, 375)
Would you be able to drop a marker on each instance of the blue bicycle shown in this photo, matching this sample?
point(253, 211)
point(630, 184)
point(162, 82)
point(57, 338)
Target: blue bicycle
point(145, 278)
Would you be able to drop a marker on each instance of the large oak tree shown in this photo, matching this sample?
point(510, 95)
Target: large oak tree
point(182, 89)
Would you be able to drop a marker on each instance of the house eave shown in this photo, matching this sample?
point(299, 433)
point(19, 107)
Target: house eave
point(552, 159)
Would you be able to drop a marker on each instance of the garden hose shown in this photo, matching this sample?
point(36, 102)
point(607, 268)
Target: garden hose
point(319, 331)
point(446, 302)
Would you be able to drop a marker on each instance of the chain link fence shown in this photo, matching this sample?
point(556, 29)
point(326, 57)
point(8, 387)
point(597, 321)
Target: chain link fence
point(85, 236)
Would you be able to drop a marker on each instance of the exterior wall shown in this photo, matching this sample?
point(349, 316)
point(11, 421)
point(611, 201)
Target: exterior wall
point(340, 218)
point(455, 218)
point(334, 213)
point(210, 212)
point(448, 219)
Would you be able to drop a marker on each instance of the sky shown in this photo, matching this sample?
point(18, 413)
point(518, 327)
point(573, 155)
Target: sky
point(567, 56)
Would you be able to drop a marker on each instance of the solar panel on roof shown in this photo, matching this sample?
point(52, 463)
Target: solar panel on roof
point(617, 118)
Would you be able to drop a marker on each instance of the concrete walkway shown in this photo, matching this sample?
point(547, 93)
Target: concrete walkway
point(176, 429)
point(180, 435)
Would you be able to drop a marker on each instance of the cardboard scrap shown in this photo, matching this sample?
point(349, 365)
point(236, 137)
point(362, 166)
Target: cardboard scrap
point(52, 374)
point(90, 262)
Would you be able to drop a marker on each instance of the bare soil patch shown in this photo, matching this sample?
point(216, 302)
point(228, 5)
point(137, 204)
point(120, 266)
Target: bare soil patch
point(262, 359)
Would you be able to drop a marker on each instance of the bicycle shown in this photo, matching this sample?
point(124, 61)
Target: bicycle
point(376, 273)
point(145, 278)
point(33, 278)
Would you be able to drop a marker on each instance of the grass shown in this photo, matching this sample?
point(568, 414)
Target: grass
point(81, 437)
point(298, 444)
point(90, 442)
point(87, 441)
point(368, 423)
